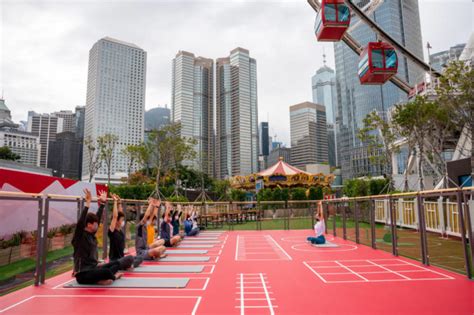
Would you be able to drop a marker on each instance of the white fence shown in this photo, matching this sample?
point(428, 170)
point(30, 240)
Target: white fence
point(441, 216)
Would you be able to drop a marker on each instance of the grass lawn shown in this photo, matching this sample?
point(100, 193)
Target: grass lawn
point(29, 264)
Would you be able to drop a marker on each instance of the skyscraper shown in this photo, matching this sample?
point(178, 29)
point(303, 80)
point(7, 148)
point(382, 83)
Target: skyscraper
point(402, 21)
point(80, 116)
point(440, 59)
point(44, 126)
point(192, 104)
point(115, 100)
point(236, 114)
point(264, 145)
point(324, 93)
point(309, 143)
point(67, 123)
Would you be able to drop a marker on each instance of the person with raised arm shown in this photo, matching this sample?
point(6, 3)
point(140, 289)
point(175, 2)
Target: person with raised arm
point(319, 227)
point(87, 269)
point(117, 238)
point(156, 250)
point(166, 228)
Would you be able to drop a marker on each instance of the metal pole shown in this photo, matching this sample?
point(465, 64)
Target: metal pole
point(372, 223)
point(463, 234)
point(421, 218)
point(312, 212)
point(124, 207)
point(105, 228)
point(45, 241)
point(344, 228)
point(287, 218)
point(334, 220)
point(356, 221)
point(393, 225)
point(39, 241)
point(469, 224)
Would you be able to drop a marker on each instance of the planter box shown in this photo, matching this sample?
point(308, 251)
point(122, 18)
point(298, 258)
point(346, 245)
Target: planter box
point(68, 239)
point(57, 242)
point(28, 250)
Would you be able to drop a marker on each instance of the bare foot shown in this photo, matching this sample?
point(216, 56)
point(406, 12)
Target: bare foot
point(105, 282)
point(118, 275)
point(163, 255)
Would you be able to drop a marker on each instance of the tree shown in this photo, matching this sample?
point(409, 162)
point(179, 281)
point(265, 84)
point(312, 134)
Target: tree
point(378, 134)
point(167, 150)
point(414, 121)
point(134, 154)
point(456, 91)
point(94, 157)
point(7, 154)
point(107, 144)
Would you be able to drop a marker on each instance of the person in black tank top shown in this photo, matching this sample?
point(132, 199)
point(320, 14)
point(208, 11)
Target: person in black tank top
point(117, 238)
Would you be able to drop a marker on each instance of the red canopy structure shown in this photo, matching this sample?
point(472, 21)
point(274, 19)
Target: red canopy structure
point(282, 174)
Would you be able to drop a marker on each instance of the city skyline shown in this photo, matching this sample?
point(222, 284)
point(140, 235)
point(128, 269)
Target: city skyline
point(41, 72)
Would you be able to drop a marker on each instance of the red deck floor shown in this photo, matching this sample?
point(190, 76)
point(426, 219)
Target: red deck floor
point(270, 272)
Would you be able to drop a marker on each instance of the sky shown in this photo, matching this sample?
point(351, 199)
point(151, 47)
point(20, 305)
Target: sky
point(45, 46)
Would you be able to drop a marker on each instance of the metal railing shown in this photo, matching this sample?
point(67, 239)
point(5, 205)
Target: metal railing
point(378, 221)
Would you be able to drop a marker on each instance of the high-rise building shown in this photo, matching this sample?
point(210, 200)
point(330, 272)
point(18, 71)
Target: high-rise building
point(309, 142)
point(440, 59)
point(277, 153)
point(45, 126)
point(401, 20)
point(192, 104)
point(115, 101)
point(264, 139)
point(264, 144)
point(67, 123)
point(65, 155)
point(324, 93)
point(79, 118)
point(157, 118)
point(20, 142)
point(236, 114)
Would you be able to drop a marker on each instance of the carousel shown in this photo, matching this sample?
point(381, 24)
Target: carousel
point(281, 175)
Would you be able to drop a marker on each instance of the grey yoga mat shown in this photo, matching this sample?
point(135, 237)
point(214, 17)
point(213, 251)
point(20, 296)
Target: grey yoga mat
point(195, 246)
point(327, 244)
point(184, 259)
point(136, 283)
point(170, 268)
point(186, 251)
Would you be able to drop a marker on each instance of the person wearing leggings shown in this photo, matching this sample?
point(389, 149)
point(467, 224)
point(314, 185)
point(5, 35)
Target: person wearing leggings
point(87, 269)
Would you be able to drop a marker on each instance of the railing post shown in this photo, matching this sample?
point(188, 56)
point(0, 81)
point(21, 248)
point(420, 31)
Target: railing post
point(39, 240)
point(325, 216)
point(440, 214)
point(468, 205)
point(312, 213)
point(393, 225)
point(422, 229)
point(459, 196)
point(334, 219)
point(356, 221)
point(105, 228)
point(344, 228)
point(372, 223)
point(45, 241)
point(287, 218)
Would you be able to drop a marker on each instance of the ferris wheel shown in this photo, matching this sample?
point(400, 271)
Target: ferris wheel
point(378, 61)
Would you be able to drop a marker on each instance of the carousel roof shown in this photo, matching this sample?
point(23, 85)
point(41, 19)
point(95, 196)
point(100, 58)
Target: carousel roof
point(281, 168)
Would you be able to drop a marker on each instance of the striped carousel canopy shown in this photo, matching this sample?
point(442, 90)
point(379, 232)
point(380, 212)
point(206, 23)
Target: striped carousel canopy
point(281, 168)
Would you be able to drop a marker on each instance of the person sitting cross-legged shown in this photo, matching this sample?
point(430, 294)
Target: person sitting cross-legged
point(319, 227)
point(166, 229)
point(190, 224)
point(87, 269)
point(117, 238)
point(155, 250)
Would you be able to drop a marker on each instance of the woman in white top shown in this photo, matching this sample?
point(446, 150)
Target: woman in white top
point(319, 227)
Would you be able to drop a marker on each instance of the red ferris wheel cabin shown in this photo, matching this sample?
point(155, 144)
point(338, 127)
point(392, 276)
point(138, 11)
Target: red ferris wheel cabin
point(332, 20)
point(377, 63)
